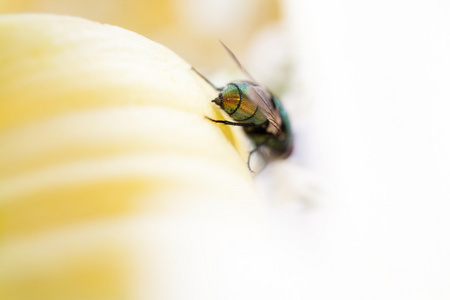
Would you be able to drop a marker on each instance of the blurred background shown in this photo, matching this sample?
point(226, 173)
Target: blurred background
point(361, 210)
point(190, 28)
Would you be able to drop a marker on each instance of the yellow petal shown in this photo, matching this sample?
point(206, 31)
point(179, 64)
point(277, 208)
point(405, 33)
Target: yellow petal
point(113, 185)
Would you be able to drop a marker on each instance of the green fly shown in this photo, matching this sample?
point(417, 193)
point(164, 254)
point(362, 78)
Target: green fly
point(261, 115)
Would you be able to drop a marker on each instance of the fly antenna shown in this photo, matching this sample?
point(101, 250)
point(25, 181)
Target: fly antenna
point(206, 80)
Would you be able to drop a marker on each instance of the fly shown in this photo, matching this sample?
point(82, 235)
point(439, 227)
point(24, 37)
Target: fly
point(258, 112)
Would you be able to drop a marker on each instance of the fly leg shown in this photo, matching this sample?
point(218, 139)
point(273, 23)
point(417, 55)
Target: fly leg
point(231, 123)
point(256, 150)
point(244, 125)
point(249, 156)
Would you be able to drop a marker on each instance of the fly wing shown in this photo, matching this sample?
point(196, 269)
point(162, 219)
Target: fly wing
point(262, 99)
point(237, 61)
point(260, 95)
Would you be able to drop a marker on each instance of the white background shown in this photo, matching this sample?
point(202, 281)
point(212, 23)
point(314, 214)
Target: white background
point(377, 73)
